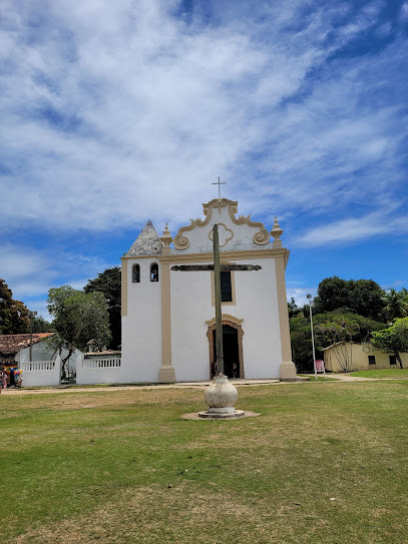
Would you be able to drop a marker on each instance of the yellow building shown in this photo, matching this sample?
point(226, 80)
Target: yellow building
point(347, 357)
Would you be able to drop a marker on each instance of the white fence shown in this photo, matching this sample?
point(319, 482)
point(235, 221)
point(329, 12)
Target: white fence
point(41, 373)
point(102, 363)
point(38, 366)
point(94, 371)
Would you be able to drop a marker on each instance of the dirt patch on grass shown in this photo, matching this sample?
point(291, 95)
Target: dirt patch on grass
point(181, 514)
point(73, 400)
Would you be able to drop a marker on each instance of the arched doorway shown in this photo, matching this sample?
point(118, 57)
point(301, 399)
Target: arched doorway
point(232, 334)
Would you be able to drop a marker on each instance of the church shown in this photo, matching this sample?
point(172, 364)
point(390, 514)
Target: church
point(168, 316)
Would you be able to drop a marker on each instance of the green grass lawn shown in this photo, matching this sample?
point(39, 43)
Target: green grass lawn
point(395, 373)
point(324, 463)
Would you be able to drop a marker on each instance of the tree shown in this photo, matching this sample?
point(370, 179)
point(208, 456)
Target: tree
point(293, 308)
point(332, 293)
point(78, 318)
point(42, 325)
point(394, 339)
point(365, 297)
point(301, 340)
point(329, 328)
point(361, 327)
point(396, 304)
point(339, 331)
point(13, 313)
point(109, 283)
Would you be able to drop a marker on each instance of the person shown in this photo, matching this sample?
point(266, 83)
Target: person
point(3, 380)
point(234, 370)
point(19, 379)
point(12, 379)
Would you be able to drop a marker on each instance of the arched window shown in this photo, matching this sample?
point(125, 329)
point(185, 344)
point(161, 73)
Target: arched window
point(154, 272)
point(136, 273)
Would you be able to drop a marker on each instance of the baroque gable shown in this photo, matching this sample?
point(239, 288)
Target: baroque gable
point(236, 233)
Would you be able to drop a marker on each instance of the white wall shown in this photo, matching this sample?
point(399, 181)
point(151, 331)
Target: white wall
point(38, 375)
point(256, 304)
point(41, 352)
point(190, 308)
point(141, 328)
point(41, 373)
point(102, 370)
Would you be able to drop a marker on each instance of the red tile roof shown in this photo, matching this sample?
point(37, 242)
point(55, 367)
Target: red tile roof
point(12, 343)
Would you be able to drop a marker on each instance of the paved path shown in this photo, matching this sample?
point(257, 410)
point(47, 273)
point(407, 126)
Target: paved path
point(81, 389)
point(348, 378)
point(184, 385)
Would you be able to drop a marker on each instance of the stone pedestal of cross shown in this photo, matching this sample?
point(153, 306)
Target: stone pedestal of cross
point(221, 395)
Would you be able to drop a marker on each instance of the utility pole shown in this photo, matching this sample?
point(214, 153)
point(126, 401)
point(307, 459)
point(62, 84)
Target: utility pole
point(309, 297)
point(31, 314)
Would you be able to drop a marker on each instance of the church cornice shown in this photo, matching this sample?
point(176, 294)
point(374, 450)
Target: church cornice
point(247, 254)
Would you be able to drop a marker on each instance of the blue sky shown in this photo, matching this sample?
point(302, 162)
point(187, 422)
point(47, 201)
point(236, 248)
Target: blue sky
point(113, 113)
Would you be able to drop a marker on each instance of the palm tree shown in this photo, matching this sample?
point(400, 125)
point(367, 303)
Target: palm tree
point(293, 308)
point(396, 304)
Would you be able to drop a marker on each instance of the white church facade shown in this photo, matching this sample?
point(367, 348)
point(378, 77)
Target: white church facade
point(168, 316)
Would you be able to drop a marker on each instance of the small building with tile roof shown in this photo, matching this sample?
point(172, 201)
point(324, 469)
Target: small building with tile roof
point(16, 347)
point(15, 351)
point(168, 317)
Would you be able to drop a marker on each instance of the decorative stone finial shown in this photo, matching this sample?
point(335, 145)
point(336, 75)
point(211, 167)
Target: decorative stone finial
point(166, 239)
point(276, 233)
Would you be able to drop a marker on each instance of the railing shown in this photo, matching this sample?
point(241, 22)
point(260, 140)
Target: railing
point(41, 373)
point(38, 366)
point(101, 363)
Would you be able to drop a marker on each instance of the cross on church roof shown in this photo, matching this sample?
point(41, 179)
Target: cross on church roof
point(219, 183)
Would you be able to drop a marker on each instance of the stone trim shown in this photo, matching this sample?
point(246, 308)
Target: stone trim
point(288, 369)
point(124, 289)
point(166, 373)
point(252, 254)
point(261, 237)
point(210, 234)
point(227, 317)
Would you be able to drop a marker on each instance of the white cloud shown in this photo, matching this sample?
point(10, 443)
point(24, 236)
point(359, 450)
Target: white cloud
point(384, 30)
point(300, 294)
point(145, 110)
point(31, 273)
point(404, 12)
point(114, 113)
point(21, 263)
point(354, 230)
point(152, 108)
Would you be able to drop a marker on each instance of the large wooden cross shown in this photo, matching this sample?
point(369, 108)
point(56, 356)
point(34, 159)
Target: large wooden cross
point(217, 267)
